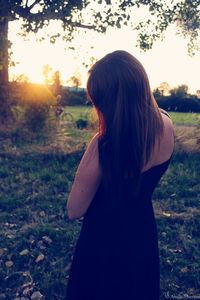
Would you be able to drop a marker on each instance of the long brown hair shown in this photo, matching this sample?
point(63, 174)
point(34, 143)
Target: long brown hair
point(129, 119)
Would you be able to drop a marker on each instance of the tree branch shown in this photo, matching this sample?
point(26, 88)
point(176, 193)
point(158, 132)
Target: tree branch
point(33, 4)
point(37, 17)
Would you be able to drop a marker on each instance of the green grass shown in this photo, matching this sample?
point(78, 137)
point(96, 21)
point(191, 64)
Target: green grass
point(35, 181)
point(177, 117)
point(33, 193)
point(78, 111)
point(185, 118)
point(33, 206)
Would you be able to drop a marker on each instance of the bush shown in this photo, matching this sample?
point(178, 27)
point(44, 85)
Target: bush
point(179, 104)
point(36, 115)
point(81, 123)
point(37, 101)
point(73, 99)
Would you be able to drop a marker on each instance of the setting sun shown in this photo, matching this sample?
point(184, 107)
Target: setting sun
point(168, 60)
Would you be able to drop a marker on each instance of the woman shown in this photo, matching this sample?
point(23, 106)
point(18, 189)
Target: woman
point(116, 256)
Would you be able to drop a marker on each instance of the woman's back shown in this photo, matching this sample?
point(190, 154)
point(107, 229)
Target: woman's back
point(117, 253)
point(163, 148)
point(116, 256)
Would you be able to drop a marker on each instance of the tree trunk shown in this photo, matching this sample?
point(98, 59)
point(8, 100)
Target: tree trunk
point(5, 110)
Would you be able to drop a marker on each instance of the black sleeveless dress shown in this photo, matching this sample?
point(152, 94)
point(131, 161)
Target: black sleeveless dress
point(117, 255)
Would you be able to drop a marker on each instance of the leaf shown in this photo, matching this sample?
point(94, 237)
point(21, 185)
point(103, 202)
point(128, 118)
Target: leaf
point(42, 214)
point(9, 263)
point(184, 270)
point(39, 259)
point(166, 214)
point(47, 239)
point(36, 296)
point(24, 252)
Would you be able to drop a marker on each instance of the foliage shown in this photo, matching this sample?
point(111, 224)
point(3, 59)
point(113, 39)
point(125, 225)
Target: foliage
point(74, 98)
point(176, 99)
point(37, 100)
point(75, 80)
point(171, 103)
point(46, 71)
point(162, 90)
point(35, 116)
point(180, 92)
point(102, 14)
point(56, 83)
point(94, 15)
point(81, 123)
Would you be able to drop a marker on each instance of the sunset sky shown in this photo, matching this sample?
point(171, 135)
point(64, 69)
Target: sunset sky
point(167, 61)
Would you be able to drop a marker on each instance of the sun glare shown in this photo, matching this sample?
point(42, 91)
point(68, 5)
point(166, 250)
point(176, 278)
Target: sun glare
point(168, 60)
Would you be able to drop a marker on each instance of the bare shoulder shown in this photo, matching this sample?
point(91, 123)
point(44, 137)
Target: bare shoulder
point(165, 148)
point(168, 128)
point(90, 158)
point(93, 144)
point(167, 140)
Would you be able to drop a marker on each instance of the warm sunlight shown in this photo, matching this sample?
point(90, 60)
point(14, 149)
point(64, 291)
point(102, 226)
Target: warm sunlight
point(99, 187)
point(167, 61)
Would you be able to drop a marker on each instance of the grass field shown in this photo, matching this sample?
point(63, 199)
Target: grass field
point(177, 117)
point(185, 118)
point(37, 240)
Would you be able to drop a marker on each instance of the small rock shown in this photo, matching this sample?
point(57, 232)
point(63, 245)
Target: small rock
point(40, 258)
point(36, 296)
point(24, 252)
point(17, 298)
point(9, 263)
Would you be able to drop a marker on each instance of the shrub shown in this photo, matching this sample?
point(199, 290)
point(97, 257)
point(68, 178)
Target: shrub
point(81, 123)
point(36, 115)
point(179, 104)
point(73, 99)
point(37, 100)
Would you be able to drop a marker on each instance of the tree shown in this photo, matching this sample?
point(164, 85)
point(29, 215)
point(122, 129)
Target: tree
point(56, 83)
point(157, 93)
point(198, 93)
point(180, 92)
point(46, 71)
point(75, 80)
point(164, 88)
point(96, 15)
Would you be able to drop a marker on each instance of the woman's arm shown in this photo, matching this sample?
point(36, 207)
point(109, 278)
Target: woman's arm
point(86, 182)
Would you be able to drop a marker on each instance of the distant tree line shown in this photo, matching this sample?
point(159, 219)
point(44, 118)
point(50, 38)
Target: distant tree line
point(171, 99)
point(177, 99)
